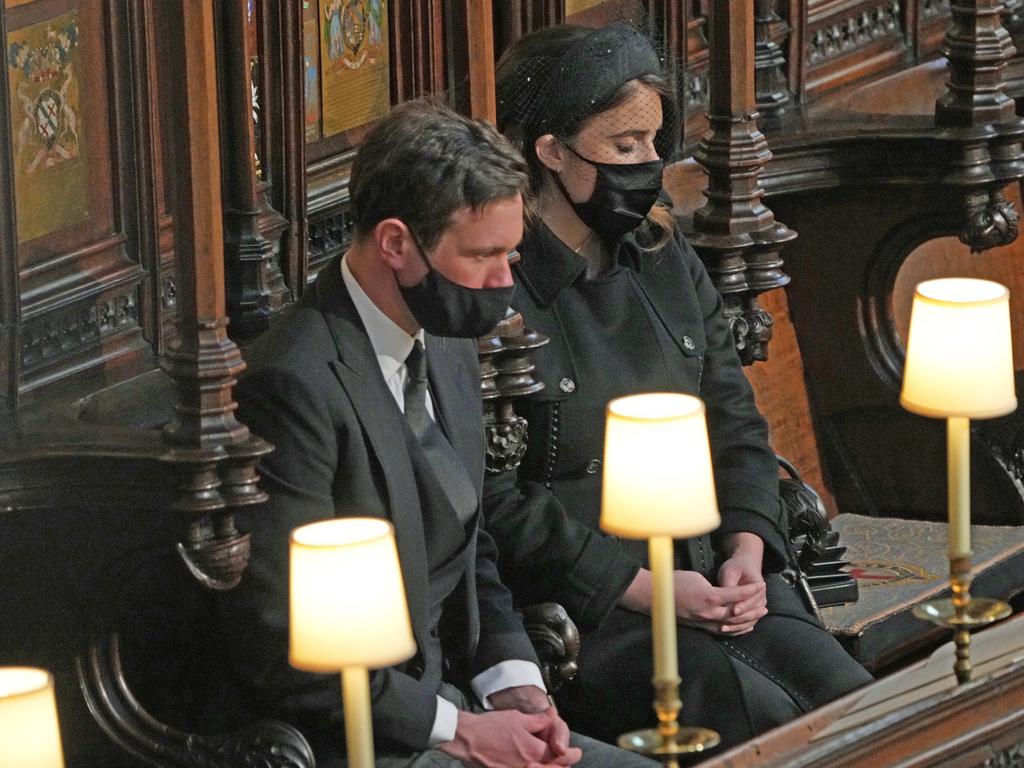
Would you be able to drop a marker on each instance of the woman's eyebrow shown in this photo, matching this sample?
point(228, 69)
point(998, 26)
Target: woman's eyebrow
point(634, 133)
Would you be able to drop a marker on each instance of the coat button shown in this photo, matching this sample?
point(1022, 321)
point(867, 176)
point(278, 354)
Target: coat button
point(593, 466)
point(567, 385)
point(688, 343)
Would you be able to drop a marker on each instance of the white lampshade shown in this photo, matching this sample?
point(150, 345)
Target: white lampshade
point(29, 733)
point(959, 353)
point(348, 606)
point(657, 468)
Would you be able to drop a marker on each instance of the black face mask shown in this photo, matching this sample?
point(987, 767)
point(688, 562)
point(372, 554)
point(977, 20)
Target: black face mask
point(623, 196)
point(444, 308)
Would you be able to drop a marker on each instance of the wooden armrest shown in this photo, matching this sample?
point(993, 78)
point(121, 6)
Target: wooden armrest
point(556, 640)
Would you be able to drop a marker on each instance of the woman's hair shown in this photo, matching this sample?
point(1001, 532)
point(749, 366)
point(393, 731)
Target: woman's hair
point(541, 90)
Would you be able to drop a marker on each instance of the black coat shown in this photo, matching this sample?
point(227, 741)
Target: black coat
point(550, 545)
point(653, 322)
point(314, 389)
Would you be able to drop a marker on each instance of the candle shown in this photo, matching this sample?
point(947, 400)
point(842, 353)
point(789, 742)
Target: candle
point(958, 447)
point(663, 608)
point(355, 693)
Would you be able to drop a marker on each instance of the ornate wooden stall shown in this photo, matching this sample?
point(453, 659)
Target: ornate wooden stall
point(174, 173)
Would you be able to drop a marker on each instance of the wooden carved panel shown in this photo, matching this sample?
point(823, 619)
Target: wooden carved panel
point(80, 166)
point(849, 40)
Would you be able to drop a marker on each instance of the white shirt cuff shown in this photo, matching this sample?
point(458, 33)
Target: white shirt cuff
point(507, 674)
point(445, 722)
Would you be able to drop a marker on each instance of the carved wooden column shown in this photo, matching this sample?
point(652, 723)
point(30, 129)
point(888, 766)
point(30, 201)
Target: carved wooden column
point(216, 453)
point(736, 235)
point(978, 47)
point(770, 86)
point(418, 50)
point(480, 50)
point(694, 88)
point(517, 17)
point(283, 136)
point(506, 373)
point(10, 303)
point(252, 229)
point(155, 223)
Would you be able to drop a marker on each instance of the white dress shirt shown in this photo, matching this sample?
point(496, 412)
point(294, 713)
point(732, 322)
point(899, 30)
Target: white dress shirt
point(392, 345)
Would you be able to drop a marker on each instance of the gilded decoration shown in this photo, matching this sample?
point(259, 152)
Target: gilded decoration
point(354, 64)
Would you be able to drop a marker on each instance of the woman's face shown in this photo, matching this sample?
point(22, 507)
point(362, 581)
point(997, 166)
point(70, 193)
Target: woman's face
point(620, 135)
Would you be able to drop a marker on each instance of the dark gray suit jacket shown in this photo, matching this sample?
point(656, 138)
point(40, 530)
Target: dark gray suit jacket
point(315, 390)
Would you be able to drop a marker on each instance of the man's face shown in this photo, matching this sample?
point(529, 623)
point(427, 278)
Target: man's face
point(473, 250)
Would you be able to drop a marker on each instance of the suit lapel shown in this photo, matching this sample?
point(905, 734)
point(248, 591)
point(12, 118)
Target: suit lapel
point(382, 423)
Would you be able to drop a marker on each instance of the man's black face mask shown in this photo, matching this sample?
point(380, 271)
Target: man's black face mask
point(444, 308)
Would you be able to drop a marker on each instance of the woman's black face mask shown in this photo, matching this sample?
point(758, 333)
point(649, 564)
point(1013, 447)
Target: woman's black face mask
point(444, 308)
point(623, 196)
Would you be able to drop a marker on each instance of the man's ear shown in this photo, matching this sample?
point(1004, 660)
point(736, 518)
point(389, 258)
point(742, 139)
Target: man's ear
point(393, 241)
point(550, 152)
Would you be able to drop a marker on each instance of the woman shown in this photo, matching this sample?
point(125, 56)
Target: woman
point(629, 308)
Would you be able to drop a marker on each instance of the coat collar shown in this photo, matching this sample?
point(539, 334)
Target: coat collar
point(549, 266)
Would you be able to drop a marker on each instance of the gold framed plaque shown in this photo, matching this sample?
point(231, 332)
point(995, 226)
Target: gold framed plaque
point(355, 82)
point(576, 6)
point(50, 174)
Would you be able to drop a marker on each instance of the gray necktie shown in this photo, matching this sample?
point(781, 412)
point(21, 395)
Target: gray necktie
point(449, 470)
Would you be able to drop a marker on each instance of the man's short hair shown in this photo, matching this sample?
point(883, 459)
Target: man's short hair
point(423, 162)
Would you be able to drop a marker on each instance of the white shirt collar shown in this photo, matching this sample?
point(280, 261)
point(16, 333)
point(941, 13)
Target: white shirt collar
point(390, 342)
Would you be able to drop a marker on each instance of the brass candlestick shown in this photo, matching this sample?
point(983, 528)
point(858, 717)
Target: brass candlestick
point(962, 613)
point(668, 741)
point(658, 486)
point(959, 366)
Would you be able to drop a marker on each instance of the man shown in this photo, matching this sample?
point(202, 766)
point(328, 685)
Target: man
point(338, 386)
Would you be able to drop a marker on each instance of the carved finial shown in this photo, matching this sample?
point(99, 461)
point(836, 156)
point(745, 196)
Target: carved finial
point(991, 222)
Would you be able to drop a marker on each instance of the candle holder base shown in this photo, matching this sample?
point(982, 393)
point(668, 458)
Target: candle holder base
point(963, 614)
point(686, 741)
point(978, 612)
